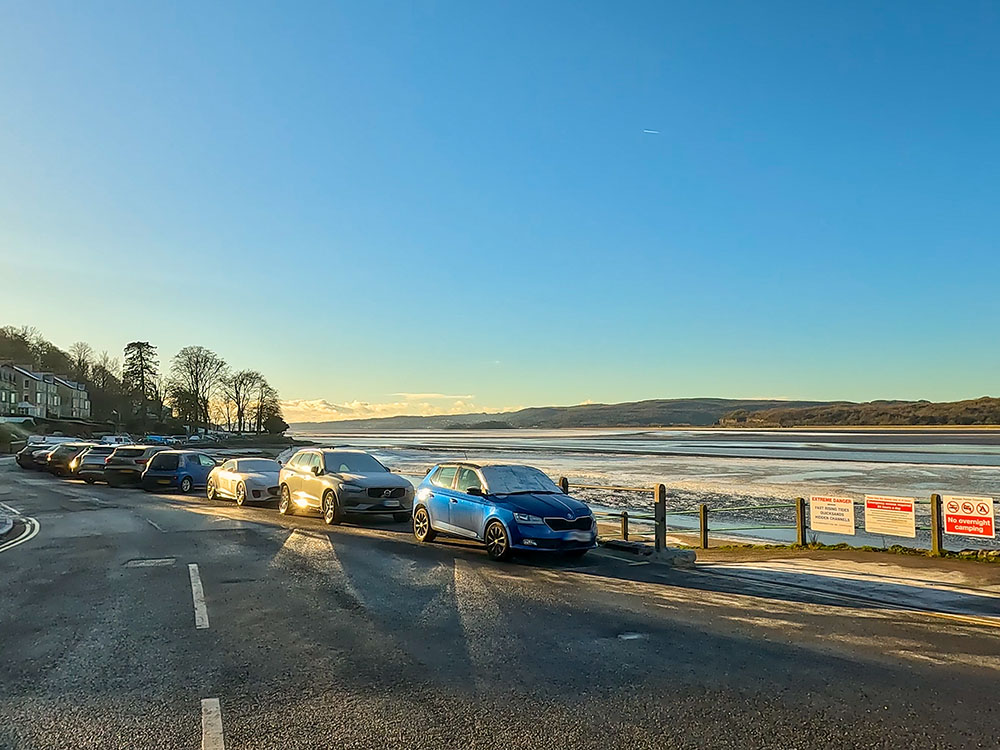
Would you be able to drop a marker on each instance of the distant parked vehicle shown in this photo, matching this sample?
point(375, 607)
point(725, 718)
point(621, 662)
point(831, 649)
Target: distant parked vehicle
point(245, 480)
point(339, 482)
point(127, 462)
point(117, 440)
point(34, 456)
point(508, 507)
point(59, 460)
point(89, 465)
point(182, 470)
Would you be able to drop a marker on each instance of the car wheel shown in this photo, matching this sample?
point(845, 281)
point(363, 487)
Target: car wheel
point(497, 541)
point(332, 512)
point(210, 490)
point(88, 480)
point(400, 517)
point(285, 506)
point(186, 485)
point(241, 493)
point(422, 526)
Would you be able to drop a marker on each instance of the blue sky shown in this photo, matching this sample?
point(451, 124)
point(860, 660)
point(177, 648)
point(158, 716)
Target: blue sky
point(374, 203)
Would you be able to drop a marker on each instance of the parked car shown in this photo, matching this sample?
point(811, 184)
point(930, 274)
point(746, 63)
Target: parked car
point(127, 462)
point(59, 460)
point(117, 440)
point(89, 465)
point(182, 470)
point(26, 456)
point(40, 457)
point(508, 507)
point(338, 482)
point(39, 444)
point(245, 480)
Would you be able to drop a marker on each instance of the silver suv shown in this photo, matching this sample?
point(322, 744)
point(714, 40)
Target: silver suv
point(339, 482)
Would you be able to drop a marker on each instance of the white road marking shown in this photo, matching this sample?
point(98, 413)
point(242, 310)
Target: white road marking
point(154, 525)
point(198, 596)
point(10, 509)
point(211, 725)
point(31, 527)
point(156, 562)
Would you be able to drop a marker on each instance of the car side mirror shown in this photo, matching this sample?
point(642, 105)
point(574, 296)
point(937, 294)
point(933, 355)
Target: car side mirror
point(477, 491)
point(317, 470)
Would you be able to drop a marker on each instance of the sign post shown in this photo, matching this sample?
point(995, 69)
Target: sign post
point(969, 516)
point(895, 516)
point(831, 514)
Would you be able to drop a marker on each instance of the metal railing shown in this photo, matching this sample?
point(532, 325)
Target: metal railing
point(660, 515)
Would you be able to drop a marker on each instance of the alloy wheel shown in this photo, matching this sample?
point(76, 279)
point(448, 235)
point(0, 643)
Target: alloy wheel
point(496, 541)
point(241, 493)
point(210, 490)
point(186, 485)
point(285, 503)
point(421, 524)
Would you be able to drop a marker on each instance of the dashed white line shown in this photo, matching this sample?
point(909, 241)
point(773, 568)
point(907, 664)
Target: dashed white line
point(154, 524)
point(211, 725)
point(198, 596)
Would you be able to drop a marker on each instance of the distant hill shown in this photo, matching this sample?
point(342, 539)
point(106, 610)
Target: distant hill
point(695, 412)
point(980, 411)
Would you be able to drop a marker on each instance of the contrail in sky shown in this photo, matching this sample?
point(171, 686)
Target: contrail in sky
point(651, 132)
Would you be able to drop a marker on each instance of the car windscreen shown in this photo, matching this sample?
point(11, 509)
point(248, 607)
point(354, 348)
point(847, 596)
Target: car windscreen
point(257, 464)
point(100, 450)
point(164, 462)
point(507, 480)
point(352, 463)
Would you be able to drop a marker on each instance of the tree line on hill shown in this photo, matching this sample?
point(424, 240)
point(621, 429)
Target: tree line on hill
point(198, 389)
point(980, 411)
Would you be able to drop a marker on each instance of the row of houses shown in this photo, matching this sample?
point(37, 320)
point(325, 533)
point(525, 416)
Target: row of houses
point(24, 392)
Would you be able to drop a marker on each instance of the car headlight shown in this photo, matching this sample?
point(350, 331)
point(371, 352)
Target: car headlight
point(528, 519)
point(351, 488)
point(73, 464)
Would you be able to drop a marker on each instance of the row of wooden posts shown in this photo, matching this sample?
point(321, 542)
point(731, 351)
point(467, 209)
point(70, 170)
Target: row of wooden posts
point(801, 523)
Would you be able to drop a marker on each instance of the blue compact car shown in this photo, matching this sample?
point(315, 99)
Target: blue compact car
point(507, 507)
point(182, 470)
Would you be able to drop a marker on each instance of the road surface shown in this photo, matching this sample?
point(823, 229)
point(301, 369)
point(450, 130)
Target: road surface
point(130, 620)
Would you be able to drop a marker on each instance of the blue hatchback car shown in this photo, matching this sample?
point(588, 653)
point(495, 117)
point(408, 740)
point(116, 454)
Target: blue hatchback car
point(508, 507)
point(182, 470)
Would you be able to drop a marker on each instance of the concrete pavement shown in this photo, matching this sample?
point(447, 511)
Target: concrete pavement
point(359, 637)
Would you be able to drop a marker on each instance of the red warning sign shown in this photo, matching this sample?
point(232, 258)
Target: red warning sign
point(969, 516)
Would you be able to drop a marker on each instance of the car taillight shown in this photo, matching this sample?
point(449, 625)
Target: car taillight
point(107, 460)
point(141, 461)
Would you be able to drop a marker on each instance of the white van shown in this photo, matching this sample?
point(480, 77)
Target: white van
point(117, 440)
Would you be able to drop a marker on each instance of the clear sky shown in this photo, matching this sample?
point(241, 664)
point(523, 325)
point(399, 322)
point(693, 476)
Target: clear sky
point(374, 203)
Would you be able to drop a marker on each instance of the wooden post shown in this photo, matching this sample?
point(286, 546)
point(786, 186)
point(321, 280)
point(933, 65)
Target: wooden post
point(800, 521)
point(564, 485)
point(936, 541)
point(703, 525)
point(625, 525)
point(660, 516)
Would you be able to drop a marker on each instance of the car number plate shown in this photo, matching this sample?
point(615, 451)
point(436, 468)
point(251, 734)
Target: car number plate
point(391, 503)
point(163, 481)
point(578, 536)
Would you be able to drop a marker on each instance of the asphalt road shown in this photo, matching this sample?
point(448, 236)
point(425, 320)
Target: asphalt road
point(358, 637)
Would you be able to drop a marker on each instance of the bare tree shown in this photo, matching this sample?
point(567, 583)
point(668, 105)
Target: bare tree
point(239, 390)
point(81, 355)
point(195, 375)
point(265, 404)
